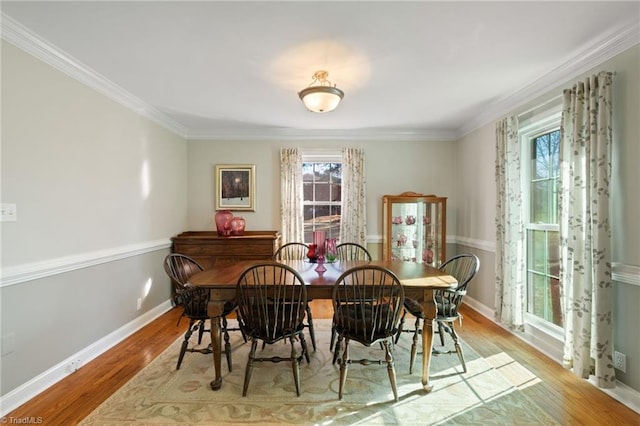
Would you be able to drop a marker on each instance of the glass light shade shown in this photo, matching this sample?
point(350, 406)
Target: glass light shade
point(321, 98)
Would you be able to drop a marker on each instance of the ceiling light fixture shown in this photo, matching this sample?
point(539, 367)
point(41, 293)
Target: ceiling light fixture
point(321, 95)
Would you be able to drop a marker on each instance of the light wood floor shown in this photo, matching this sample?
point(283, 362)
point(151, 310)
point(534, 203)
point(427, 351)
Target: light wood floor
point(567, 399)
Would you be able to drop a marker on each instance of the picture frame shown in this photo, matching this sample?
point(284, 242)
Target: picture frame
point(235, 187)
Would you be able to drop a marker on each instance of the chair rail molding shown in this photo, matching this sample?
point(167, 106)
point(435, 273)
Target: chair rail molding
point(627, 274)
point(485, 245)
point(30, 271)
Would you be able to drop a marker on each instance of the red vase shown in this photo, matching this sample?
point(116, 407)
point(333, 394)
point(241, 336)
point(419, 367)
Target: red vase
point(427, 256)
point(312, 254)
point(222, 219)
point(237, 225)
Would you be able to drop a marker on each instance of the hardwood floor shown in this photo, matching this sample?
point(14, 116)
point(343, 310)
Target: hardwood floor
point(567, 399)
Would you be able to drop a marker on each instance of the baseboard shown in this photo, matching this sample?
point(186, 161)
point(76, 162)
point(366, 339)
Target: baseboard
point(621, 393)
point(40, 383)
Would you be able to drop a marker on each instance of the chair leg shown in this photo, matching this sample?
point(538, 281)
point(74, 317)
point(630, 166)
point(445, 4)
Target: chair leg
point(295, 366)
point(414, 345)
point(227, 345)
point(303, 343)
point(391, 369)
point(441, 333)
point(201, 331)
point(343, 365)
point(185, 343)
point(241, 326)
point(312, 332)
point(336, 350)
point(454, 336)
point(249, 369)
point(400, 325)
point(333, 337)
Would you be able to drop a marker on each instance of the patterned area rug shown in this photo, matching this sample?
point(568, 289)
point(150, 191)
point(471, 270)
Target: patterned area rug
point(160, 395)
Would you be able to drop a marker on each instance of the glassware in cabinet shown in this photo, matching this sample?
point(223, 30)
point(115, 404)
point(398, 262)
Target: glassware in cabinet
point(414, 228)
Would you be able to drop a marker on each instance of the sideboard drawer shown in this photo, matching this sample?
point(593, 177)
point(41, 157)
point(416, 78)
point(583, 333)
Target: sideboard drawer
point(210, 249)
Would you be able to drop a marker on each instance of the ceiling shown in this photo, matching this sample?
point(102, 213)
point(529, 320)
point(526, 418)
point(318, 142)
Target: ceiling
point(420, 69)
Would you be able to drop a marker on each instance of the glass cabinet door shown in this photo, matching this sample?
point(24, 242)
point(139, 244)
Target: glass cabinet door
point(414, 228)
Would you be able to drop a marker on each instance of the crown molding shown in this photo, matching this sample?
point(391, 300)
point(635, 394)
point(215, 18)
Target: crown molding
point(617, 41)
point(24, 39)
point(370, 134)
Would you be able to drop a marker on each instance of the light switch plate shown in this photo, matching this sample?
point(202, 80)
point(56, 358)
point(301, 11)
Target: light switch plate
point(9, 213)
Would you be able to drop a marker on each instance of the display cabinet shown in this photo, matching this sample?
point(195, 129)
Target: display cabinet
point(414, 228)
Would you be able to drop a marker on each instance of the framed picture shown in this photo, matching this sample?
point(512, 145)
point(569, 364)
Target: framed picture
point(235, 187)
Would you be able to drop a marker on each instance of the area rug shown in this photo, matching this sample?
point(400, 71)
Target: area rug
point(160, 395)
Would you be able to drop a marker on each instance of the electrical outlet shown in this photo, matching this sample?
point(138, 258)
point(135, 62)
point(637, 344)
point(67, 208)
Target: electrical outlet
point(8, 213)
point(139, 304)
point(620, 361)
point(74, 365)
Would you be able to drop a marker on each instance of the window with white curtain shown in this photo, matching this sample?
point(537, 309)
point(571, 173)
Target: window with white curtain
point(322, 193)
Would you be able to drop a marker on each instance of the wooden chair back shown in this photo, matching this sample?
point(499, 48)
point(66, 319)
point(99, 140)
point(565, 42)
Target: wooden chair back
point(352, 251)
point(292, 251)
point(367, 303)
point(272, 301)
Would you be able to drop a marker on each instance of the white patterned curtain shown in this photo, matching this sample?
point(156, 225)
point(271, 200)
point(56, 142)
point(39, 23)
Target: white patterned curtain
point(585, 233)
point(353, 224)
point(291, 211)
point(510, 249)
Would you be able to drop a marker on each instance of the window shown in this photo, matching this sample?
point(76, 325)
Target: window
point(541, 143)
point(322, 201)
point(543, 245)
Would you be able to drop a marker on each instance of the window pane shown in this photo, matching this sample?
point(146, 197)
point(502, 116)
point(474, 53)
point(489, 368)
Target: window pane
point(537, 259)
point(553, 253)
point(307, 191)
point(336, 192)
point(322, 192)
point(307, 172)
point(541, 162)
point(322, 172)
point(554, 150)
point(540, 202)
point(556, 307)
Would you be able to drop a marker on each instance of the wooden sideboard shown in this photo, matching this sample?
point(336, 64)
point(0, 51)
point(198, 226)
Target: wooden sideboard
point(209, 249)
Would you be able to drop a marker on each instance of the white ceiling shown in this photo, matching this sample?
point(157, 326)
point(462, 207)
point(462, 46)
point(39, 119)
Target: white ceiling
point(420, 69)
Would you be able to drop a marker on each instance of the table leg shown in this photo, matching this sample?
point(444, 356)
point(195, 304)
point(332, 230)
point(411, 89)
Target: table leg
point(429, 309)
point(215, 310)
point(216, 347)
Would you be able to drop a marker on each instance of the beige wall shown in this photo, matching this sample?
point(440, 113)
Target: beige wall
point(99, 190)
point(390, 167)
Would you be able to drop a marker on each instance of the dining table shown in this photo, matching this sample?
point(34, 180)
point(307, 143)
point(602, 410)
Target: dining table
point(418, 279)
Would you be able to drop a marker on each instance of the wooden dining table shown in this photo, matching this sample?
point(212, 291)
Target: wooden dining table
point(418, 279)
